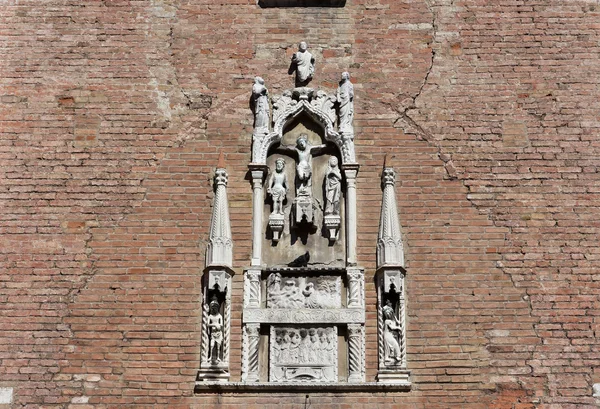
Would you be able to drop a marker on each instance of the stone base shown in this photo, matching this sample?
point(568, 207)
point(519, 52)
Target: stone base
point(396, 377)
point(332, 224)
point(276, 222)
point(213, 375)
point(303, 210)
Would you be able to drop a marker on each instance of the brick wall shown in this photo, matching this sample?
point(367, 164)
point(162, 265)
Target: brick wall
point(112, 116)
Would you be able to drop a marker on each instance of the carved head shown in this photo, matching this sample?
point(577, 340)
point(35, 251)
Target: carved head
point(302, 46)
point(322, 336)
point(259, 80)
point(333, 162)
point(302, 141)
point(214, 307)
point(388, 176)
point(279, 337)
point(279, 164)
point(388, 312)
point(274, 280)
point(345, 76)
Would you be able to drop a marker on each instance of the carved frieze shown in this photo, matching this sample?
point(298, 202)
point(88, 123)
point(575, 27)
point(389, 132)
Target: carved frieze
point(303, 354)
point(304, 316)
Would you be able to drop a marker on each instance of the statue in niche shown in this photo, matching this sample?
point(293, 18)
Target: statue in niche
point(278, 187)
point(215, 330)
point(345, 98)
point(304, 152)
point(391, 334)
point(260, 105)
point(303, 63)
point(333, 187)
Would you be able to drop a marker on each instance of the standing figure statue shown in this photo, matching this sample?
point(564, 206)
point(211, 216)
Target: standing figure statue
point(304, 152)
point(215, 330)
point(278, 186)
point(333, 187)
point(345, 98)
point(303, 63)
point(390, 334)
point(260, 106)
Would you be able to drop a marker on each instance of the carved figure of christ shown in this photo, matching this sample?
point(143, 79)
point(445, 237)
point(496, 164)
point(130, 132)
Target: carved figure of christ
point(304, 152)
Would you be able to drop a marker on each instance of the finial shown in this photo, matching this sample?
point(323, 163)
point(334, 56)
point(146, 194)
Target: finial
point(221, 163)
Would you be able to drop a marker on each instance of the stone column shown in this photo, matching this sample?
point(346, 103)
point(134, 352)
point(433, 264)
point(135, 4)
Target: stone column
point(257, 173)
point(251, 338)
point(356, 285)
point(252, 296)
point(356, 343)
point(350, 171)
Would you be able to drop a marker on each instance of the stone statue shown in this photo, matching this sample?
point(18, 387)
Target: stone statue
point(260, 105)
point(278, 186)
point(390, 334)
point(304, 152)
point(345, 98)
point(215, 329)
point(303, 63)
point(333, 187)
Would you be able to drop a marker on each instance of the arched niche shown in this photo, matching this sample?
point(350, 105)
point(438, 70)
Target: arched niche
point(317, 111)
point(296, 240)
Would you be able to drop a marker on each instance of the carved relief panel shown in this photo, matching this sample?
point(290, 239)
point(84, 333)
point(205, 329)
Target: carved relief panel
point(303, 292)
point(303, 354)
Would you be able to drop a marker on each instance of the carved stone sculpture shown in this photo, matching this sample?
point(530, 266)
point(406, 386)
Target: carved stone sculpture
point(303, 151)
point(390, 288)
point(302, 305)
point(215, 333)
point(282, 104)
point(333, 193)
point(278, 187)
point(333, 187)
point(345, 98)
point(305, 354)
point(392, 333)
point(303, 292)
point(303, 64)
point(216, 310)
point(260, 106)
point(326, 104)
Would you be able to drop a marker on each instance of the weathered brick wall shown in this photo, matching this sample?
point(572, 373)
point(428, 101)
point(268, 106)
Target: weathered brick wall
point(112, 116)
